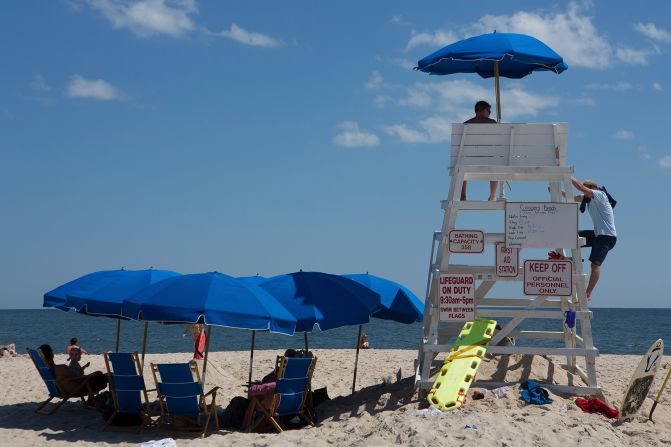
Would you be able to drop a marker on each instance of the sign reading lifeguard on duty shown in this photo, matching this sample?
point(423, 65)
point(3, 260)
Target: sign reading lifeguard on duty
point(466, 241)
point(457, 297)
point(548, 277)
point(507, 261)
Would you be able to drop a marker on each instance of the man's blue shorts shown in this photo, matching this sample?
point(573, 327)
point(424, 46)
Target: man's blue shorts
point(601, 245)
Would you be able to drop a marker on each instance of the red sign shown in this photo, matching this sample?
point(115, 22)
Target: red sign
point(507, 261)
point(548, 277)
point(466, 241)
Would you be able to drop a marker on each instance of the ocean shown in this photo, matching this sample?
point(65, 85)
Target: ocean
point(615, 331)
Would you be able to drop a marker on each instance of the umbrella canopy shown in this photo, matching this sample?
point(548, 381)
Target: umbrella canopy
point(87, 283)
point(328, 301)
point(517, 56)
point(254, 280)
point(108, 298)
point(493, 55)
point(397, 303)
point(210, 298)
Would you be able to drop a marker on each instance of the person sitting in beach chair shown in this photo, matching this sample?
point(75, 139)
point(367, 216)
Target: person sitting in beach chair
point(289, 397)
point(182, 401)
point(129, 394)
point(61, 382)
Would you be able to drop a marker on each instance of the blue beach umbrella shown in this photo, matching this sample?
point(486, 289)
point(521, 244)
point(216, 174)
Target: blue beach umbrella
point(397, 302)
point(87, 283)
point(323, 300)
point(213, 299)
point(493, 55)
point(101, 293)
point(254, 280)
point(108, 297)
point(210, 298)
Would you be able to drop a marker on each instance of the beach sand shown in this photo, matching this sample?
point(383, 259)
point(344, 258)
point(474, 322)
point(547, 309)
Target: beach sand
point(379, 413)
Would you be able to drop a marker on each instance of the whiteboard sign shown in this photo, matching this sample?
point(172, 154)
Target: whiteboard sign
point(541, 225)
point(457, 297)
point(466, 241)
point(548, 277)
point(507, 261)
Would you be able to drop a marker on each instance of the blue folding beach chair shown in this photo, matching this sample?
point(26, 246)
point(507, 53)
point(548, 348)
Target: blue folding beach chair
point(54, 387)
point(182, 401)
point(126, 383)
point(294, 378)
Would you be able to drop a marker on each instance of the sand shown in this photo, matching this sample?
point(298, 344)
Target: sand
point(381, 412)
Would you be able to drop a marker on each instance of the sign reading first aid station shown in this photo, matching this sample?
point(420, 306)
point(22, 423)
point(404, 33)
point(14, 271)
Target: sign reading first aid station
point(457, 297)
point(548, 277)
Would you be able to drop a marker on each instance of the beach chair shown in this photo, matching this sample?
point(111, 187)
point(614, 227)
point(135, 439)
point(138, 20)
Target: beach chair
point(55, 387)
point(127, 387)
point(293, 385)
point(182, 402)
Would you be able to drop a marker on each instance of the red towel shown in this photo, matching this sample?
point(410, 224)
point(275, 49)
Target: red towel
point(199, 346)
point(597, 406)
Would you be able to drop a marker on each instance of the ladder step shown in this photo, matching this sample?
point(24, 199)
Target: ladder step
point(472, 205)
point(543, 350)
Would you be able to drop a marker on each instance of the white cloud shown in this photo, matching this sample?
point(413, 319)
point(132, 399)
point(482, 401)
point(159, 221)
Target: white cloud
point(657, 86)
point(375, 81)
point(406, 135)
point(571, 34)
point(352, 136)
point(382, 100)
point(643, 152)
point(456, 98)
point(403, 63)
point(618, 86)
point(437, 39)
point(452, 102)
point(39, 83)
point(623, 134)
point(633, 57)
point(650, 30)
point(150, 17)
point(81, 87)
point(665, 162)
point(241, 35)
point(584, 101)
point(399, 20)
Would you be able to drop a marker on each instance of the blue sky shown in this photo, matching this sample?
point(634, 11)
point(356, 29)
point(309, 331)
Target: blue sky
point(266, 137)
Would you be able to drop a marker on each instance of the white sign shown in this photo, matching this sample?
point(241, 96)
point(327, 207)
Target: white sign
point(466, 241)
point(457, 297)
point(507, 261)
point(541, 225)
point(548, 277)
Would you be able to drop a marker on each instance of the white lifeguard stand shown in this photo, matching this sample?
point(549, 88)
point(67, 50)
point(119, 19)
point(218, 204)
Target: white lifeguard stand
point(509, 152)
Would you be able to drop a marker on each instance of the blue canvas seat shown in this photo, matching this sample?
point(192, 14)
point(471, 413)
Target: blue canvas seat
point(55, 387)
point(183, 403)
point(293, 385)
point(127, 386)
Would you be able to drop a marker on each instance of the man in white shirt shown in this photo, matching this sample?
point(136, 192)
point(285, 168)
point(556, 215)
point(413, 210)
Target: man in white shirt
point(604, 236)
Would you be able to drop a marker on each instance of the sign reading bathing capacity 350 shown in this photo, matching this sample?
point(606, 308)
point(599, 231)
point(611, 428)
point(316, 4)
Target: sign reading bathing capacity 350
point(457, 297)
point(548, 277)
point(466, 241)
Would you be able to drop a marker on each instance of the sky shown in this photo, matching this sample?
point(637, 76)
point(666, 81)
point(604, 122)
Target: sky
point(267, 137)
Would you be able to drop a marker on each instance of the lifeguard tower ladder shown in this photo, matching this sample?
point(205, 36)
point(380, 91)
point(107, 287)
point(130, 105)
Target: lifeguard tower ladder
point(509, 152)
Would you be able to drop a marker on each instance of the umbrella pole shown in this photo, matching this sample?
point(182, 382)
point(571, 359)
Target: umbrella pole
point(356, 362)
point(207, 349)
point(118, 329)
point(144, 343)
point(251, 357)
point(497, 87)
point(305, 341)
point(498, 91)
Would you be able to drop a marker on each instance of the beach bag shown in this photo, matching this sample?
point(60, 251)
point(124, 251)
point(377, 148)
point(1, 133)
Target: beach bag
point(234, 414)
